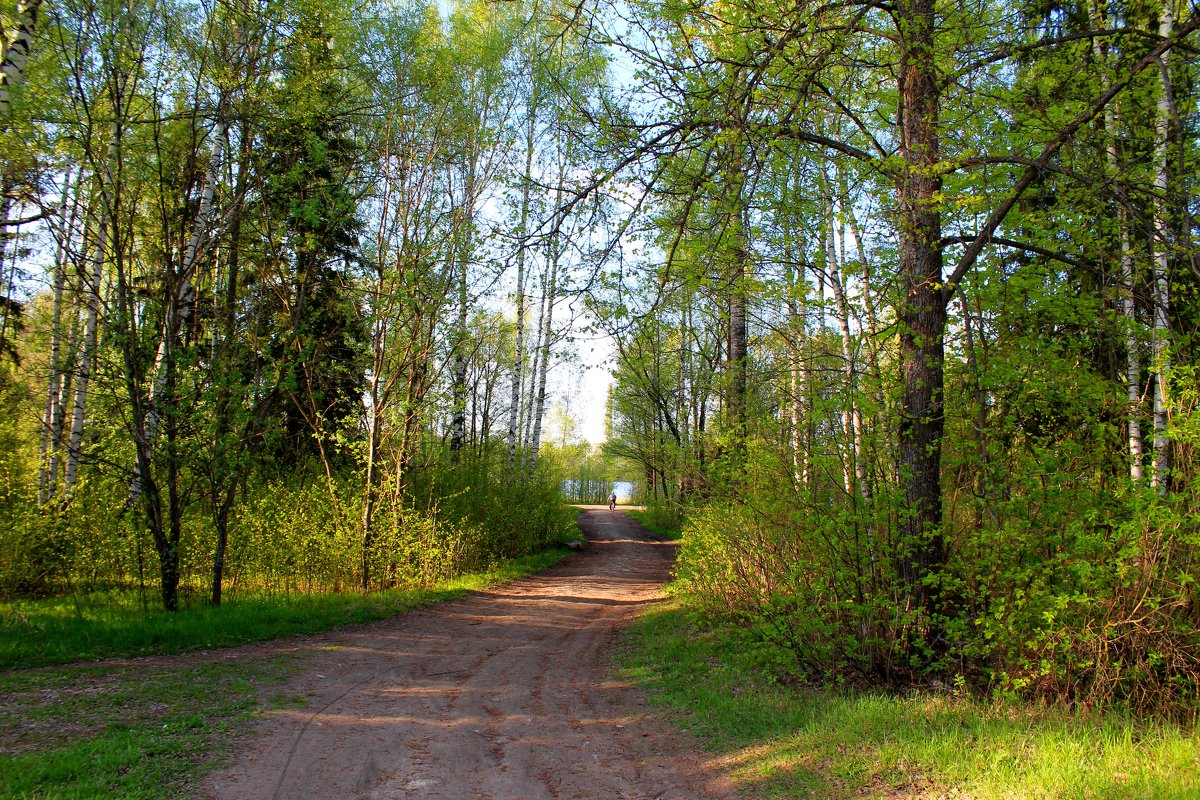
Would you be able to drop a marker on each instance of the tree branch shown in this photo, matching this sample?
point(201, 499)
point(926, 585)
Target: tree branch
point(987, 232)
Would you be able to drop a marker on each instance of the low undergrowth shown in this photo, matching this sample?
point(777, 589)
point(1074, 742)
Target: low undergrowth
point(798, 742)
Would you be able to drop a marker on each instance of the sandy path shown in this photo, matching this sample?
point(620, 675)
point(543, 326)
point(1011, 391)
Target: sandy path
point(503, 695)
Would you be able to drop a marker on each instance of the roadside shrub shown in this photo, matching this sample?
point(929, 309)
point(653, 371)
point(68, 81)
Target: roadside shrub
point(513, 512)
point(796, 580)
point(663, 515)
point(1067, 592)
point(299, 533)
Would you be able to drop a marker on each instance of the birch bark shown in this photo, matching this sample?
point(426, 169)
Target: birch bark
point(518, 375)
point(87, 354)
point(17, 44)
point(547, 327)
point(1133, 343)
point(48, 460)
point(1161, 264)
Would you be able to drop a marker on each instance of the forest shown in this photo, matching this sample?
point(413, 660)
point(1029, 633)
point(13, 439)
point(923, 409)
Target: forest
point(903, 295)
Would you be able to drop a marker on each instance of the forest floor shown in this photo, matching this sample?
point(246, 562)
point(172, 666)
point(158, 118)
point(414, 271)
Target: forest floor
point(507, 694)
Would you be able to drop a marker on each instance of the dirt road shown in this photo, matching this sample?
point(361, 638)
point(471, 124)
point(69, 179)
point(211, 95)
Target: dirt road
point(504, 695)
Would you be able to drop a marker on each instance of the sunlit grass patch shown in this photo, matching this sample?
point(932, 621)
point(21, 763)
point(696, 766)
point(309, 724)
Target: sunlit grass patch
point(808, 743)
point(656, 522)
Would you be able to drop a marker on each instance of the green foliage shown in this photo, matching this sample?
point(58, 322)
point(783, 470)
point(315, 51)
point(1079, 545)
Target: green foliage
point(510, 513)
point(799, 579)
point(1038, 599)
point(54, 549)
point(286, 537)
point(584, 472)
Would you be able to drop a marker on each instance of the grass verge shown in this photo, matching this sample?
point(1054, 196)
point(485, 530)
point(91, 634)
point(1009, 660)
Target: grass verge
point(109, 731)
point(669, 528)
point(804, 743)
point(35, 633)
point(152, 729)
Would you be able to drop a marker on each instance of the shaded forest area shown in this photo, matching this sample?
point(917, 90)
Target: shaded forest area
point(903, 296)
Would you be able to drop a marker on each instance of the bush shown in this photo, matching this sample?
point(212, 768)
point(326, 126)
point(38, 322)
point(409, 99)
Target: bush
point(296, 534)
point(1070, 593)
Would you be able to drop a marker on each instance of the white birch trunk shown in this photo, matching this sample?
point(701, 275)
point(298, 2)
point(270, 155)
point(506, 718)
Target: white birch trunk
point(48, 461)
point(534, 371)
point(798, 367)
point(1133, 344)
point(1162, 240)
point(518, 376)
point(547, 326)
point(87, 354)
point(458, 420)
point(852, 415)
point(851, 419)
point(17, 44)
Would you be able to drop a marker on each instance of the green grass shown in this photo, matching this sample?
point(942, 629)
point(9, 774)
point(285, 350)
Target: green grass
point(662, 525)
point(128, 732)
point(804, 743)
point(36, 633)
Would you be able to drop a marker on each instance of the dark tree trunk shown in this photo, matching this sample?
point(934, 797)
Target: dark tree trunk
point(921, 552)
point(737, 347)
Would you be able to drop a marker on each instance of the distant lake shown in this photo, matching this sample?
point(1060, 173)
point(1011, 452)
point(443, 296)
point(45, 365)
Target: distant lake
point(597, 491)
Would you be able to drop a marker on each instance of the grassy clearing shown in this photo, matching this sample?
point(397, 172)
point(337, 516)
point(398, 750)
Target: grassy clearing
point(36, 633)
point(802, 743)
point(152, 730)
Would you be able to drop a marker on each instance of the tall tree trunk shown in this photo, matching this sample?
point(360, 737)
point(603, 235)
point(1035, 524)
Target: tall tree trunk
point(1161, 264)
point(87, 353)
point(17, 45)
point(547, 326)
point(50, 444)
point(518, 376)
point(870, 348)
point(458, 420)
point(374, 412)
point(534, 370)
point(226, 470)
point(797, 335)
point(799, 381)
point(1133, 343)
point(922, 317)
point(851, 421)
point(7, 295)
point(736, 366)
